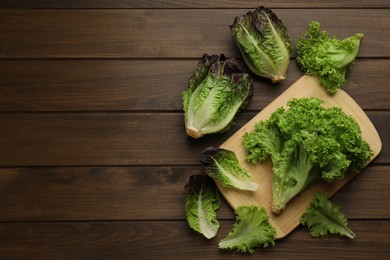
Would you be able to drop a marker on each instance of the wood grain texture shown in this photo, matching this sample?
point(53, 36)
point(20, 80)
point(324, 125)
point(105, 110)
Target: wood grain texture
point(146, 193)
point(158, 240)
point(85, 139)
point(123, 85)
point(97, 139)
point(190, 4)
point(188, 33)
point(93, 152)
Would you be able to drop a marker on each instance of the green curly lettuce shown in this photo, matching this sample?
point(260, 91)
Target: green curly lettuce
point(251, 230)
point(326, 57)
point(306, 143)
point(324, 217)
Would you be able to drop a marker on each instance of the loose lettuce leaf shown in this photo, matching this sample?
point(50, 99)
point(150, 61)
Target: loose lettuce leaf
point(223, 166)
point(324, 217)
point(264, 43)
point(326, 57)
point(202, 201)
point(251, 229)
point(217, 91)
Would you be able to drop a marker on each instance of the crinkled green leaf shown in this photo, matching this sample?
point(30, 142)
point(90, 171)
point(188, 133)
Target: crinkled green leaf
point(251, 230)
point(264, 43)
point(223, 166)
point(217, 91)
point(267, 141)
point(202, 201)
point(324, 217)
point(328, 58)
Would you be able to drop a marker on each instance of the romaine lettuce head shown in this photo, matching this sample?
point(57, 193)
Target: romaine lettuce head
point(217, 90)
point(202, 201)
point(264, 43)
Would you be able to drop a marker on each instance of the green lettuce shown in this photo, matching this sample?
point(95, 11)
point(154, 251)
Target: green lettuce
point(264, 43)
point(326, 57)
point(223, 166)
point(202, 201)
point(324, 217)
point(217, 91)
point(251, 229)
point(306, 142)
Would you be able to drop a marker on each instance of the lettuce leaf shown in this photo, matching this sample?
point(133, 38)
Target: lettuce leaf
point(251, 229)
point(223, 166)
point(202, 201)
point(324, 217)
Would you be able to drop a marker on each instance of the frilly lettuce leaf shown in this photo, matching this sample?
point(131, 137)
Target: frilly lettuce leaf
point(251, 229)
point(324, 217)
point(326, 57)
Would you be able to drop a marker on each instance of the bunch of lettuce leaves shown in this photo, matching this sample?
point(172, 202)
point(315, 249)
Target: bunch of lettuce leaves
point(306, 142)
point(251, 229)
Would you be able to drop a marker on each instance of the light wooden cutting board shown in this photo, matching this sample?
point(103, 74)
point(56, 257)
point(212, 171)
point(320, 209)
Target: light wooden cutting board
point(286, 221)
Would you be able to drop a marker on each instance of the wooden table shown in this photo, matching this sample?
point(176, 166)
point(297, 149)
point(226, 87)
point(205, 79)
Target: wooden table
point(93, 153)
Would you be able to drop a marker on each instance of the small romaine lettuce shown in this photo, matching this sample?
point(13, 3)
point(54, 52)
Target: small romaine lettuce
point(217, 90)
point(223, 166)
point(324, 217)
point(251, 229)
point(202, 201)
point(326, 57)
point(264, 43)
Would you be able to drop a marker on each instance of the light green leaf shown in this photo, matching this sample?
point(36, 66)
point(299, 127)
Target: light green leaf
point(324, 217)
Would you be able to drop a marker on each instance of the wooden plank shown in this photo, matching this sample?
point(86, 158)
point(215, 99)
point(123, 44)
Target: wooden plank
point(95, 85)
point(84, 139)
point(190, 4)
point(353, 197)
point(118, 193)
point(97, 139)
point(158, 240)
point(145, 193)
point(164, 33)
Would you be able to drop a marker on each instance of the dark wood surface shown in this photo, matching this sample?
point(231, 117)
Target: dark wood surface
point(93, 153)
